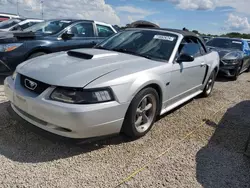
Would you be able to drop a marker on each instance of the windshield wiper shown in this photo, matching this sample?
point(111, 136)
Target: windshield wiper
point(132, 53)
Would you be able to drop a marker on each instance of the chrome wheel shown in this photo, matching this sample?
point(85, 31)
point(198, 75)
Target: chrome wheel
point(145, 113)
point(209, 86)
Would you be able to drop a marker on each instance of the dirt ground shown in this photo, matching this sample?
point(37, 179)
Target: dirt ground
point(200, 144)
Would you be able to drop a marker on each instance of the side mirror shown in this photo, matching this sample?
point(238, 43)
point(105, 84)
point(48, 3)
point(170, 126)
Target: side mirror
point(67, 35)
point(185, 58)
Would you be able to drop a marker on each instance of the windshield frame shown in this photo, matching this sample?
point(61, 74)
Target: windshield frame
point(101, 45)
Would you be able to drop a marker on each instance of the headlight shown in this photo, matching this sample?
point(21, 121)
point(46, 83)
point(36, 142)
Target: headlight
point(13, 76)
point(9, 47)
point(232, 58)
point(231, 61)
point(232, 55)
point(82, 96)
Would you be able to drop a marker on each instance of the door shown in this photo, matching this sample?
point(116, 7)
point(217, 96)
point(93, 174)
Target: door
point(187, 77)
point(83, 36)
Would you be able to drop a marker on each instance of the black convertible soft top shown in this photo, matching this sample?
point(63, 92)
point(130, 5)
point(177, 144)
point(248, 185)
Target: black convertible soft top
point(182, 32)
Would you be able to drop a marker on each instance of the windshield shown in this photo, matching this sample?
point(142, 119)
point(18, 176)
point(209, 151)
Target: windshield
point(151, 44)
point(49, 27)
point(9, 23)
point(226, 43)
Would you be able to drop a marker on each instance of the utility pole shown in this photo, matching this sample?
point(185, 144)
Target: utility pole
point(42, 8)
point(17, 7)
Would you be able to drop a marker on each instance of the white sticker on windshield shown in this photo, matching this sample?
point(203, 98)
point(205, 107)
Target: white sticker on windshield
point(236, 42)
point(162, 37)
point(65, 21)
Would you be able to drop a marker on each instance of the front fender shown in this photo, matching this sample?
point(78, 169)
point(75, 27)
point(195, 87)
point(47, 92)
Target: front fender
point(125, 92)
point(144, 81)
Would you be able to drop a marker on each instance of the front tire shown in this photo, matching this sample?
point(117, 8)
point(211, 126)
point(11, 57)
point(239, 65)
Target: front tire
point(209, 86)
point(37, 54)
point(141, 113)
point(237, 72)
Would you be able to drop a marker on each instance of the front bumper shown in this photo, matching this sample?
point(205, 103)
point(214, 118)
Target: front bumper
point(67, 120)
point(228, 70)
point(9, 61)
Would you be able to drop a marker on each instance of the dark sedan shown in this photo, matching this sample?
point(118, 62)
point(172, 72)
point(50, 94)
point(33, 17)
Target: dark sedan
point(48, 37)
point(234, 55)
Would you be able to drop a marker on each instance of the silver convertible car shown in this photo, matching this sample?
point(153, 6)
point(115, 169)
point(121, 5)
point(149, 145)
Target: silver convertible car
point(121, 85)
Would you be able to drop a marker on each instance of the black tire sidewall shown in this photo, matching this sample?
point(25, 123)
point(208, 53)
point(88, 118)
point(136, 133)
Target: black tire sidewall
point(37, 54)
point(128, 125)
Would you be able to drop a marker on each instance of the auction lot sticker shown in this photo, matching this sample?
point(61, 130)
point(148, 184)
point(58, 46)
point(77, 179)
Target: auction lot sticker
point(163, 37)
point(236, 42)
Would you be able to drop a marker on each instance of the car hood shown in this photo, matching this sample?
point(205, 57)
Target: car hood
point(221, 51)
point(15, 36)
point(82, 66)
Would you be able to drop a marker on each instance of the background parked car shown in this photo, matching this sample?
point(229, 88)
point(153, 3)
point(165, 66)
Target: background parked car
point(248, 41)
point(5, 25)
point(5, 16)
point(121, 85)
point(234, 55)
point(18, 24)
point(206, 38)
point(48, 37)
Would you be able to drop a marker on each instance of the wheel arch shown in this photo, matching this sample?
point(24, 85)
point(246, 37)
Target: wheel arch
point(37, 50)
point(159, 92)
point(216, 69)
point(155, 84)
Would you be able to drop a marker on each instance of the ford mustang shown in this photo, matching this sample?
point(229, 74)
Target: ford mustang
point(234, 55)
point(121, 85)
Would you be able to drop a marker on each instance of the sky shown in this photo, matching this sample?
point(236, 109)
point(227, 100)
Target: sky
point(206, 16)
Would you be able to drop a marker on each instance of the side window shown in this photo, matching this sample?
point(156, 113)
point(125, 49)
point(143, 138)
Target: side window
point(82, 30)
point(188, 46)
point(104, 31)
point(26, 25)
point(202, 49)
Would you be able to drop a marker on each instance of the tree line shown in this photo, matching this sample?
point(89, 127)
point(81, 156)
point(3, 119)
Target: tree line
point(231, 35)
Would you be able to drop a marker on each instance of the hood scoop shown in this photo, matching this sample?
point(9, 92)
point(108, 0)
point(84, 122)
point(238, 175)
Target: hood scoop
point(84, 55)
point(80, 55)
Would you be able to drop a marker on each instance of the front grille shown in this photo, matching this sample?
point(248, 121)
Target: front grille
point(38, 89)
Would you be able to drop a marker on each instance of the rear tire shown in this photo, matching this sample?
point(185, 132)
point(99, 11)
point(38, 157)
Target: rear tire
point(37, 54)
point(209, 85)
point(141, 113)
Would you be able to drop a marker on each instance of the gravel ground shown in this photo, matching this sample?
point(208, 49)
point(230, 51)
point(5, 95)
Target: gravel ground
point(209, 157)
